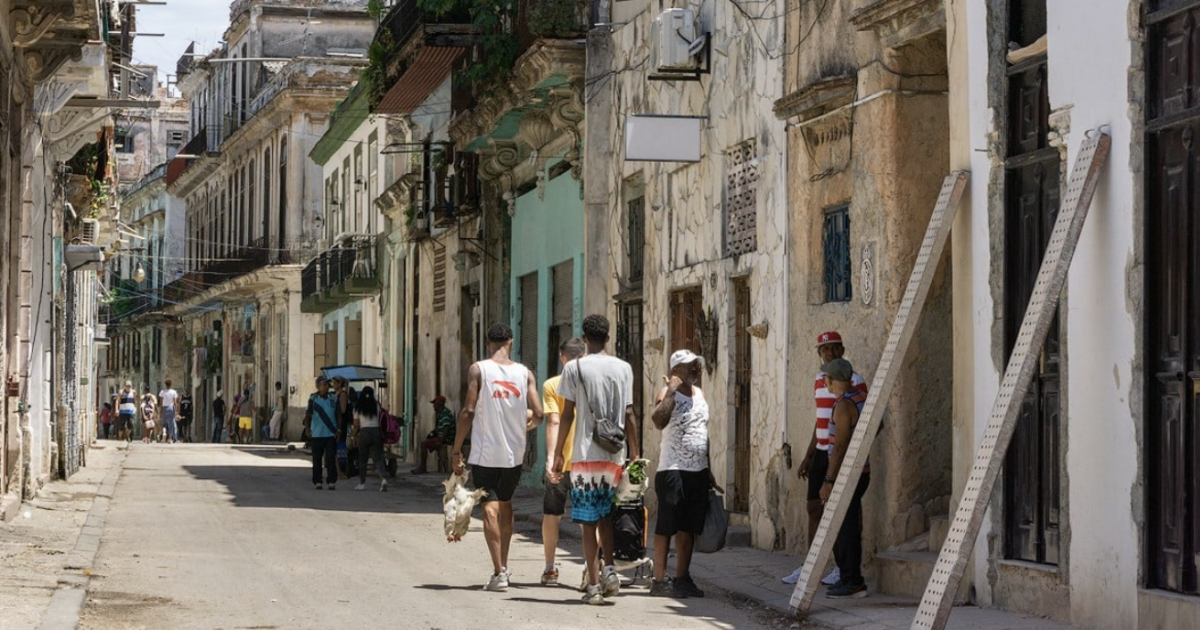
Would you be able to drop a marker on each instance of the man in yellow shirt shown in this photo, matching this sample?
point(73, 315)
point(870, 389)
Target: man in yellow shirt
point(558, 485)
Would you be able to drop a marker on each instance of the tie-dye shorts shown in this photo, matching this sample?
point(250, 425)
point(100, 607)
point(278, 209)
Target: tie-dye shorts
point(593, 490)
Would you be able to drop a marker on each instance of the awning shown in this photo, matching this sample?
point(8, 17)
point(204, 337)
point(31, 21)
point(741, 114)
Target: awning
point(431, 67)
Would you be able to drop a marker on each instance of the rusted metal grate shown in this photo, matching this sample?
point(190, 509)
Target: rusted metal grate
point(836, 247)
point(635, 229)
point(741, 198)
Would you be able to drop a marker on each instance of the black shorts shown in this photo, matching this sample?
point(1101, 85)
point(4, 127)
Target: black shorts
point(554, 503)
point(682, 501)
point(817, 471)
point(124, 422)
point(500, 483)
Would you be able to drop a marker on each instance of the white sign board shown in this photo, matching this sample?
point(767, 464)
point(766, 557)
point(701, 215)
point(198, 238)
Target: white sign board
point(651, 138)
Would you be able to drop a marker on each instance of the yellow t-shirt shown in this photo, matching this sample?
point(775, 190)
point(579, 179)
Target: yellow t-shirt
point(553, 403)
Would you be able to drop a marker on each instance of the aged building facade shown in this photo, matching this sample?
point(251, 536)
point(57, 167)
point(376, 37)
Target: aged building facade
point(693, 254)
point(258, 106)
point(1095, 520)
point(52, 55)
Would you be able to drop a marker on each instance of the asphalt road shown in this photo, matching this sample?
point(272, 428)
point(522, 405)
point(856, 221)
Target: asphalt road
point(213, 537)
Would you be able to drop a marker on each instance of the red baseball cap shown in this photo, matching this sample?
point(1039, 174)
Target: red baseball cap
point(828, 337)
point(438, 399)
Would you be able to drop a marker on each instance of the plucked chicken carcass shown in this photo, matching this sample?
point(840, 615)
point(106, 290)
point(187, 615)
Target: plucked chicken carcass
point(457, 506)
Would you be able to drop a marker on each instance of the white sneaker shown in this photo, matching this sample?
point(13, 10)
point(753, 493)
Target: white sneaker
point(331, 487)
point(834, 577)
point(383, 487)
point(318, 486)
point(593, 595)
point(498, 582)
point(361, 486)
point(611, 583)
point(792, 577)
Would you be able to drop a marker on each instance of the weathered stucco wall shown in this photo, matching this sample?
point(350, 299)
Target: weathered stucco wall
point(685, 218)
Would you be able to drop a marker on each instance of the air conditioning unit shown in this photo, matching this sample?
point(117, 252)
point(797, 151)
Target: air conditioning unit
point(90, 232)
point(679, 49)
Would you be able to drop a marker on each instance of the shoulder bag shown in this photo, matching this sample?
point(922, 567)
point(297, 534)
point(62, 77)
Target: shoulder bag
point(607, 432)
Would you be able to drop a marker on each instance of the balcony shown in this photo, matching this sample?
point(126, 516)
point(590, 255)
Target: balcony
point(341, 274)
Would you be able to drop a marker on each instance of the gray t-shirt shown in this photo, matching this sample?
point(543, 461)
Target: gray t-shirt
point(608, 382)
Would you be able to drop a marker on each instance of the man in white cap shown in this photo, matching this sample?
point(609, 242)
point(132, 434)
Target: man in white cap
point(683, 477)
point(816, 459)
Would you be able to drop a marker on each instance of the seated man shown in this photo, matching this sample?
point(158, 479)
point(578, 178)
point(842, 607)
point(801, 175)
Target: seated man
point(442, 434)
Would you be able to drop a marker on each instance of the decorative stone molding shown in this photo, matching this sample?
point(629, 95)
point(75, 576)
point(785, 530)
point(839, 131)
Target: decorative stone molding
point(505, 156)
point(394, 201)
point(536, 130)
point(901, 22)
point(545, 60)
point(817, 98)
point(32, 20)
point(71, 129)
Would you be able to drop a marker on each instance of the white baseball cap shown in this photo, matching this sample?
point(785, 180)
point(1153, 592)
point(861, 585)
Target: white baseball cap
point(680, 357)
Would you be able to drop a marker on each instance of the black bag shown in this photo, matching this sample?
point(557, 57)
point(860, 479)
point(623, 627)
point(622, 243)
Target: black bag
point(716, 525)
point(607, 433)
point(629, 531)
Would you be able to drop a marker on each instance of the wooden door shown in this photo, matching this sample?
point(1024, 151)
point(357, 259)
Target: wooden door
point(1032, 479)
point(741, 397)
point(1173, 295)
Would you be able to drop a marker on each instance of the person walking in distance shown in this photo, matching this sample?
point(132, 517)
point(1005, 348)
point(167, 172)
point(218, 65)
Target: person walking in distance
point(320, 418)
point(106, 419)
point(149, 408)
point(816, 458)
point(558, 485)
point(369, 436)
point(276, 424)
point(168, 398)
point(218, 406)
point(245, 421)
point(126, 410)
point(501, 407)
point(847, 549)
point(684, 477)
point(597, 390)
point(185, 416)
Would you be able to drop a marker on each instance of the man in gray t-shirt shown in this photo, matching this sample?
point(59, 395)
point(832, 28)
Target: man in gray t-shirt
point(597, 385)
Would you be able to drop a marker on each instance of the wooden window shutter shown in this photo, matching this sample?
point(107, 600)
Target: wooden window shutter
point(353, 342)
point(331, 347)
point(529, 323)
point(319, 352)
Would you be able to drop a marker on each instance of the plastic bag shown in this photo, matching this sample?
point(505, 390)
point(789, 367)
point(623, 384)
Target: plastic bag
point(716, 525)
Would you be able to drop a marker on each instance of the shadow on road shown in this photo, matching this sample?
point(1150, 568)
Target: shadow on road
point(290, 488)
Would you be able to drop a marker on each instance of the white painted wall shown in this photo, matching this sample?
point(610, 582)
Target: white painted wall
point(1089, 74)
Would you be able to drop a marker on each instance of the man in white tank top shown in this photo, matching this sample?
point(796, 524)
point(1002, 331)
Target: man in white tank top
point(502, 405)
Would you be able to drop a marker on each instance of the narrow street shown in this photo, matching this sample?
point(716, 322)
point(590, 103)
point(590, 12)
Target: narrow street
point(201, 536)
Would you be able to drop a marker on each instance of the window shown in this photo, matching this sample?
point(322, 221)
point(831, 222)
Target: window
point(439, 277)
point(836, 242)
point(123, 141)
point(635, 230)
point(176, 137)
point(629, 349)
point(741, 198)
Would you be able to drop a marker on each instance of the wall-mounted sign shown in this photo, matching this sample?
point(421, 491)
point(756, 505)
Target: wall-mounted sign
point(650, 138)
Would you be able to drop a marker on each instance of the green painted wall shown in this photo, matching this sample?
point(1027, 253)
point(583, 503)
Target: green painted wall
point(549, 232)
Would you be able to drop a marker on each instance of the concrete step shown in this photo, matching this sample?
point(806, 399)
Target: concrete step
point(939, 528)
point(737, 536)
point(907, 573)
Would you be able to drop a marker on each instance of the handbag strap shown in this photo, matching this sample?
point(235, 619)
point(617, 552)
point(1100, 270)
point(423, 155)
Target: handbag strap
point(582, 385)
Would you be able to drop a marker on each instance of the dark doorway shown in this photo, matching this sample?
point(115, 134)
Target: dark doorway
point(1032, 480)
point(1172, 295)
point(741, 397)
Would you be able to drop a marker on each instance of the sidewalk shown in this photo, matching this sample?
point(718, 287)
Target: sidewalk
point(754, 575)
point(48, 550)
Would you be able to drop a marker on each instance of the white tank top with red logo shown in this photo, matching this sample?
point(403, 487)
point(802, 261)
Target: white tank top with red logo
point(498, 431)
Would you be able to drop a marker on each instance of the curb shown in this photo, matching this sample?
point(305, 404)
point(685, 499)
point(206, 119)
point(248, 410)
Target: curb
point(66, 605)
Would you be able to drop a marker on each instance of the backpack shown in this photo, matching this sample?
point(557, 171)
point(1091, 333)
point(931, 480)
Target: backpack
point(390, 425)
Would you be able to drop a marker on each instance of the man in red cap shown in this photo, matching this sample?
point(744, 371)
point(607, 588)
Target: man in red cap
point(443, 432)
point(815, 465)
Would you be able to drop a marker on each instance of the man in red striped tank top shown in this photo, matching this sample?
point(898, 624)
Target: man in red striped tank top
point(815, 464)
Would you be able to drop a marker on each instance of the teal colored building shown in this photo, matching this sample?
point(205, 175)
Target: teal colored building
point(546, 283)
